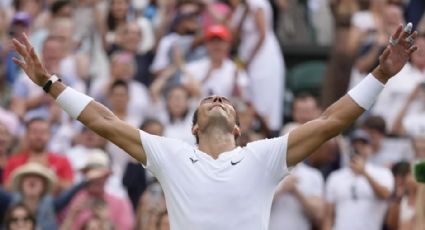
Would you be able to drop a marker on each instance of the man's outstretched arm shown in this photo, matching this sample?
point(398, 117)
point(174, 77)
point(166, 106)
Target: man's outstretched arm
point(308, 137)
point(93, 115)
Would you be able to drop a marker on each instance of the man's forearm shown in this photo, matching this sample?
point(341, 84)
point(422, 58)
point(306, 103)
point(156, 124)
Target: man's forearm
point(380, 191)
point(313, 207)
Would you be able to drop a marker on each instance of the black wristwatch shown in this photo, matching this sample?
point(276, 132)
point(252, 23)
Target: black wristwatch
point(54, 78)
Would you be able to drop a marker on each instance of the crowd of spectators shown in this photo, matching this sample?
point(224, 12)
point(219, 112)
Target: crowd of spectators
point(151, 61)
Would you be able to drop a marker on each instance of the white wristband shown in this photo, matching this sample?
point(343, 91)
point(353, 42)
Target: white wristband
point(73, 102)
point(366, 92)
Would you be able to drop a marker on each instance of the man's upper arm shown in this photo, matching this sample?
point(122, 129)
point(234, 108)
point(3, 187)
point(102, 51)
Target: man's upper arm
point(303, 140)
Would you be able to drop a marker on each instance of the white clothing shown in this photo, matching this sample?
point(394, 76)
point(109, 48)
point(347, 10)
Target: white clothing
point(356, 205)
point(267, 69)
point(232, 192)
point(287, 211)
point(221, 81)
point(363, 20)
point(396, 92)
point(414, 124)
point(163, 53)
point(392, 150)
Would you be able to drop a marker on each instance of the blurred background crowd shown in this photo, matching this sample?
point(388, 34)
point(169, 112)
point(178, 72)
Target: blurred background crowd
point(150, 61)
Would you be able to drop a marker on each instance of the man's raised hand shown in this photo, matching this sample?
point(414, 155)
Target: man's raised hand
point(398, 51)
point(31, 63)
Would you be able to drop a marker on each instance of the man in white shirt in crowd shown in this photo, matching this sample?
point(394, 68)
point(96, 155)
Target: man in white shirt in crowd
point(216, 185)
point(357, 195)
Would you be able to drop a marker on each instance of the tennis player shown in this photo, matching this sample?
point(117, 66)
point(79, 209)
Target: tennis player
point(216, 185)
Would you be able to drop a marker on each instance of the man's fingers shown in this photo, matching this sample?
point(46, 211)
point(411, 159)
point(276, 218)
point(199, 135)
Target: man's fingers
point(20, 63)
point(412, 49)
point(397, 33)
point(27, 43)
point(386, 53)
point(407, 30)
point(20, 48)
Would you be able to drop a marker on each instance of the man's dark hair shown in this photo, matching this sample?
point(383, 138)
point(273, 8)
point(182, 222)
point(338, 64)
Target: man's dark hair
point(118, 83)
point(59, 5)
point(304, 96)
point(150, 121)
point(195, 120)
point(401, 168)
point(376, 123)
point(35, 119)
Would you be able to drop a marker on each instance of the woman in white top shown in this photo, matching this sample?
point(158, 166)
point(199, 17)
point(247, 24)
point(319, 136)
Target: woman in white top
point(260, 52)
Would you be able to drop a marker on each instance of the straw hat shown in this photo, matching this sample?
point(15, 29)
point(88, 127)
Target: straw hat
point(96, 158)
point(33, 168)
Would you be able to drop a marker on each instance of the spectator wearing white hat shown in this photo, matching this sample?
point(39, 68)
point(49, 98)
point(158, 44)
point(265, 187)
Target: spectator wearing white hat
point(33, 184)
point(95, 201)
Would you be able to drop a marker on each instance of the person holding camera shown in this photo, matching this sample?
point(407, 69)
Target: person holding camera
point(358, 192)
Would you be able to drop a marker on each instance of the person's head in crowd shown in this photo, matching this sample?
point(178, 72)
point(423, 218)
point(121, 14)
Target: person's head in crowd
point(376, 128)
point(61, 8)
point(19, 217)
point(52, 53)
point(419, 146)
point(418, 58)
point(37, 135)
point(360, 143)
point(122, 65)
point(63, 29)
point(177, 103)
point(404, 180)
point(132, 37)
point(33, 180)
point(117, 14)
point(32, 7)
point(152, 126)
point(392, 18)
point(186, 20)
point(162, 222)
point(20, 24)
point(90, 139)
point(118, 97)
point(97, 162)
point(305, 108)
point(218, 42)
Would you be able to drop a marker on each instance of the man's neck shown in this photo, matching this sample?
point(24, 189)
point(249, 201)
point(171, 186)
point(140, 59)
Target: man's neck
point(215, 64)
point(216, 142)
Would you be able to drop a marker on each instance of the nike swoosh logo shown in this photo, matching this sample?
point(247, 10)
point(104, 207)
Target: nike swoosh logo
point(235, 163)
point(193, 160)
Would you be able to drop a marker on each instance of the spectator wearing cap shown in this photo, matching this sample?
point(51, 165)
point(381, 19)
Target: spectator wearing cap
point(37, 137)
point(217, 74)
point(32, 184)
point(95, 201)
point(357, 195)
